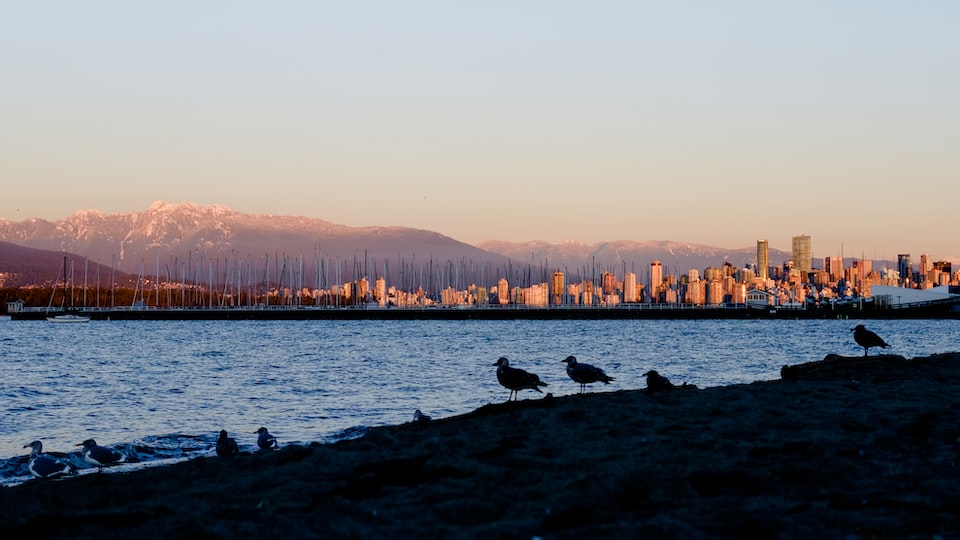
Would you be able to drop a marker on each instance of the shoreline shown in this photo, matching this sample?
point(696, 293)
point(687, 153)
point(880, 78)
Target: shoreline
point(848, 447)
point(941, 310)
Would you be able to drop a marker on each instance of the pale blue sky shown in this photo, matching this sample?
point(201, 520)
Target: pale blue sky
point(705, 122)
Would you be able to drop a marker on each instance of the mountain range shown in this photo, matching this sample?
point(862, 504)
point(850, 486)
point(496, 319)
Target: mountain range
point(189, 241)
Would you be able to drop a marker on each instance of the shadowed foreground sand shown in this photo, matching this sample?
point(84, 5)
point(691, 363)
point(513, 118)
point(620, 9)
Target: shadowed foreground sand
point(844, 448)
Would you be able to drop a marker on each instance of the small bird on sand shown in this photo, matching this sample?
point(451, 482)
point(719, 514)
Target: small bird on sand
point(866, 339)
point(46, 466)
point(585, 373)
point(419, 417)
point(100, 456)
point(226, 446)
point(516, 379)
point(265, 440)
point(657, 382)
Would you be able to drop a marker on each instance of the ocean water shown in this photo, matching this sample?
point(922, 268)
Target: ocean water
point(161, 390)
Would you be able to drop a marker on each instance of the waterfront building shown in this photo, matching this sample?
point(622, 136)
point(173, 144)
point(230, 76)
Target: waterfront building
point(833, 266)
point(380, 291)
point(503, 292)
point(608, 281)
point(763, 259)
point(715, 292)
point(556, 288)
point(630, 291)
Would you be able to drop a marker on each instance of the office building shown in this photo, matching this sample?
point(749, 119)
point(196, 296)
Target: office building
point(802, 255)
point(763, 260)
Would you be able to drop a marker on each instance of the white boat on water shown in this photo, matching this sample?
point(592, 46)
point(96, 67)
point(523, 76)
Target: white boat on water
point(69, 318)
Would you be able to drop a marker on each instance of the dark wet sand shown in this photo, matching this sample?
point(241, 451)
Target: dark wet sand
point(844, 448)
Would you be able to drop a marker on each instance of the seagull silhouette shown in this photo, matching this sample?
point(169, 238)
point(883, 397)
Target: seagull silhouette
point(866, 339)
point(516, 379)
point(585, 373)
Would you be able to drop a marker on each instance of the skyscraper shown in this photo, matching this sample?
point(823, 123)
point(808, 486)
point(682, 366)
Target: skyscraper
point(656, 278)
point(802, 255)
point(904, 267)
point(763, 259)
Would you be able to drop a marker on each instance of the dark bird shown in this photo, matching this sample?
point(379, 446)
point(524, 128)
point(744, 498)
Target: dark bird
point(866, 339)
point(99, 456)
point(585, 373)
point(516, 379)
point(265, 440)
point(418, 416)
point(45, 466)
point(657, 382)
point(226, 446)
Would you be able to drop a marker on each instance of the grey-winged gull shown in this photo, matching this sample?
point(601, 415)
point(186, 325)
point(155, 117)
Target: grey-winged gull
point(99, 456)
point(516, 379)
point(226, 446)
point(585, 373)
point(46, 466)
point(866, 339)
point(265, 440)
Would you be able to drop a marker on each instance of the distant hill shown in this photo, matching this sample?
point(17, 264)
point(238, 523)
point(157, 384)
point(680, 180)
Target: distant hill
point(23, 266)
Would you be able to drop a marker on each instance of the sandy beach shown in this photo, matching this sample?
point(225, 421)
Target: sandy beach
point(846, 448)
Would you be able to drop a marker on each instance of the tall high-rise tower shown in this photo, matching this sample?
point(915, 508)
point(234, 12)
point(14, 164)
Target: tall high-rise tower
point(763, 259)
point(802, 254)
point(903, 265)
point(656, 278)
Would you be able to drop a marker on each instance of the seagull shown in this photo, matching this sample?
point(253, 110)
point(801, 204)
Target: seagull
point(99, 456)
point(265, 440)
point(585, 373)
point(226, 446)
point(516, 379)
point(419, 417)
point(866, 339)
point(46, 466)
point(656, 381)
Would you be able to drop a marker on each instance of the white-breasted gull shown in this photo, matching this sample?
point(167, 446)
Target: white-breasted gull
point(516, 379)
point(265, 440)
point(585, 373)
point(46, 466)
point(100, 456)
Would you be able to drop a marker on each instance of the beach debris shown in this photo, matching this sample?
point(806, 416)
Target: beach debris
point(866, 339)
point(516, 379)
point(585, 373)
point(226, 446)
point(100, 456)
point(45, 466)
point(265, 440)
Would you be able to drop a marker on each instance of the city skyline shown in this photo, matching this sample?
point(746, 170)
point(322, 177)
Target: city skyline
point(712, 125)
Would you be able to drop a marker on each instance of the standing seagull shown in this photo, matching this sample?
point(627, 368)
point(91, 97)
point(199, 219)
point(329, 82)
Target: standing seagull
point(516, 379)
point(98, 456)
point(866, 339)
point(45, 466)
point(585, 373)
point(265, 440)
point(226, 446)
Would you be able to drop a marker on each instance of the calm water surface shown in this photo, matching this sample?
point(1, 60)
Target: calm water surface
point(163, 389)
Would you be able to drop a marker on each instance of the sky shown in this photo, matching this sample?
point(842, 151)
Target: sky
point(716, 123)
